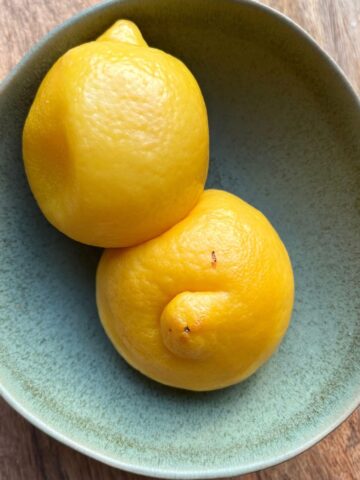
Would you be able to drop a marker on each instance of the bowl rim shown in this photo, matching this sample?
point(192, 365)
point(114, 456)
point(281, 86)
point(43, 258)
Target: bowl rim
point(35, 419)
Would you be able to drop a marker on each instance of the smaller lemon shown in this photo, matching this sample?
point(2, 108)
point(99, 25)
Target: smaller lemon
point(206, 303)
point(116, 143)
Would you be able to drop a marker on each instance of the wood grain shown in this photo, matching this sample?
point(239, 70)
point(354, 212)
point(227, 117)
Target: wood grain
point(28, 454)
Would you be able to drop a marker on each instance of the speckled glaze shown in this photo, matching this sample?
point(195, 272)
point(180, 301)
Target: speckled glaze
point(285, 137)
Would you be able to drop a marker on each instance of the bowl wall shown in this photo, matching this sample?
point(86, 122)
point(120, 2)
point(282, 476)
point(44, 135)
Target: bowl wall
point(285, 137)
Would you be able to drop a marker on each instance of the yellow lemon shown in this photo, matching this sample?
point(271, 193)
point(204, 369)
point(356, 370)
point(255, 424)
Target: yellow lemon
point(205, 304)
point(116, 142)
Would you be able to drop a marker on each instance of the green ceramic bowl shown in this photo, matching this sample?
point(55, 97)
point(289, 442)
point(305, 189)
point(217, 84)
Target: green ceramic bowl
point(285, 129)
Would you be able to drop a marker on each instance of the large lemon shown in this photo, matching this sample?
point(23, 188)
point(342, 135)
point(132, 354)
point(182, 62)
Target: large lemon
point(203, 305)
point(116, 142)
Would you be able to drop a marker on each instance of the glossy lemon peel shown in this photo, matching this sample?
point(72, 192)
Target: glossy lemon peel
point(190, 322)
point(116, 143)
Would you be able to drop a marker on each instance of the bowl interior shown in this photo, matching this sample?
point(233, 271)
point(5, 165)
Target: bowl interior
point(284, 136)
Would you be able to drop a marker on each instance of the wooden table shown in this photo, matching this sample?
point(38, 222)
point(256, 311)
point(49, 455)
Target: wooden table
point(28, 454)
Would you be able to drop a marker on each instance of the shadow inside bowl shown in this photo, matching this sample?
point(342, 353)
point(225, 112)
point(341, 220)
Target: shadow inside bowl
point(284, 132)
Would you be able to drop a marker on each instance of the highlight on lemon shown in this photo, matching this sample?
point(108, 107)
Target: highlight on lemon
point(206, 303)
point(116, 151)
point(116, 143)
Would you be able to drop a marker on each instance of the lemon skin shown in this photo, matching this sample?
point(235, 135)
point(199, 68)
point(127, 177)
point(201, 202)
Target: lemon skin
point(116, 143)
point(203, 305)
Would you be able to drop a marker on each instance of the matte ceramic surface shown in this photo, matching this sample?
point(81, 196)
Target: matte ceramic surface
point(285, 136)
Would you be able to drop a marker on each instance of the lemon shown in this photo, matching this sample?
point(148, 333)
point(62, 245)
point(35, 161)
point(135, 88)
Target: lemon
point(116, 143)
point(206, 303)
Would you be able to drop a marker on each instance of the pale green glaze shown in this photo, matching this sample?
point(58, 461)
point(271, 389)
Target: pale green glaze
point(285, 136)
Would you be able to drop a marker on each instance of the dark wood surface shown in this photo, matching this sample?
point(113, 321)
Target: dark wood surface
point(28, 454)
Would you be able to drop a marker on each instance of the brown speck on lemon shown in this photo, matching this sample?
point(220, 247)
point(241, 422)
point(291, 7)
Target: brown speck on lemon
point(213, 259)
